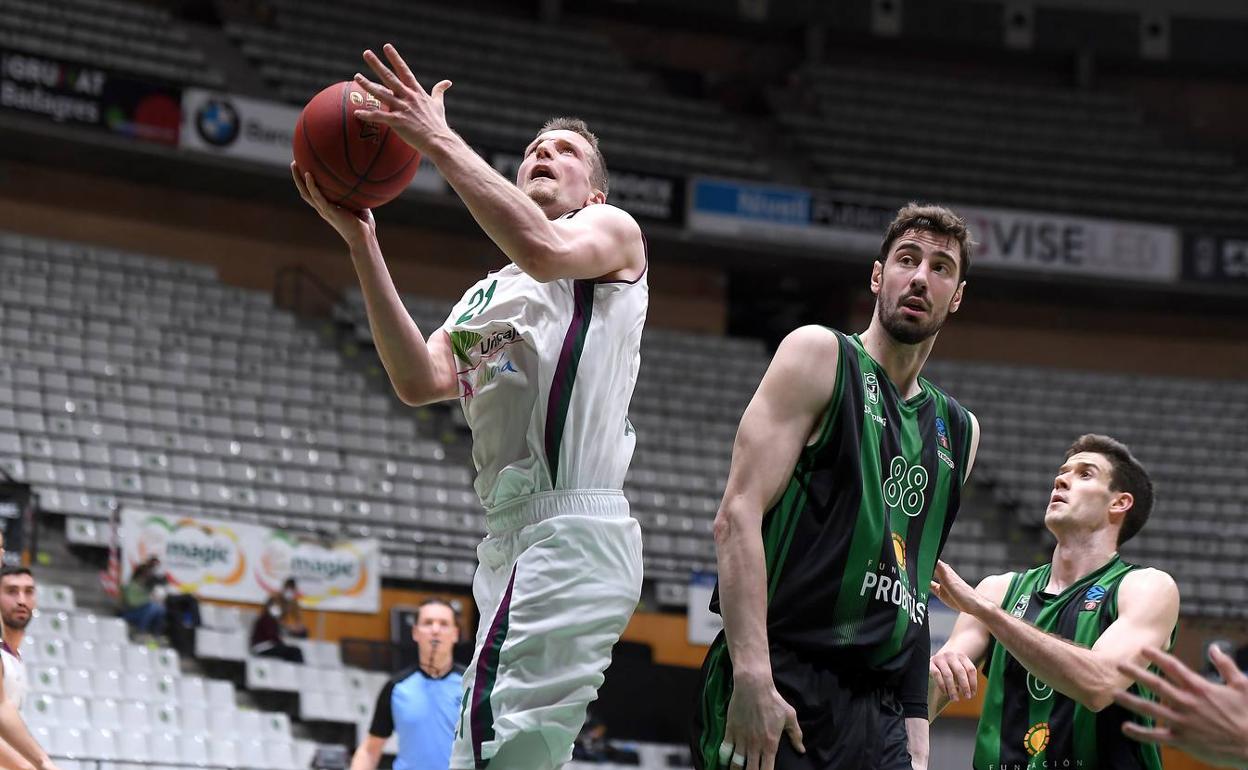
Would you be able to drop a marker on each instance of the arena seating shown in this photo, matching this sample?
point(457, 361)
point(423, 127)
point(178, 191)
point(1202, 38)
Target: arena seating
point(906, 136)
point(1199, 527)
point(95, 699)
point(133, 38)
point(131, 380)
point(510, 76)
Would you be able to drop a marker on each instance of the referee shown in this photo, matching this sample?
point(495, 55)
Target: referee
point(420, 703)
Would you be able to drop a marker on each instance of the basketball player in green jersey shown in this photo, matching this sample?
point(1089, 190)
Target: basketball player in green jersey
point(1054, 636)
point(845, 479)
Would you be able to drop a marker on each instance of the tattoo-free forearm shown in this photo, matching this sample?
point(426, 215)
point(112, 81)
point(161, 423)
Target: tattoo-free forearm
point(1074, 671)
point(743, 592)
point(398, 340)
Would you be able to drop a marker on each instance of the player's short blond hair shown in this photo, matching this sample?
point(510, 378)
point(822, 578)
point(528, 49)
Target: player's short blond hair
point(598, 167)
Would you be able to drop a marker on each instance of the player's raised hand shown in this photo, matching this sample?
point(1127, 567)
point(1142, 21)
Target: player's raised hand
point(354, 227)
point(417, 116)
point(757, 716)
point(955, 592)
point(1206, 719)
point(954, 673)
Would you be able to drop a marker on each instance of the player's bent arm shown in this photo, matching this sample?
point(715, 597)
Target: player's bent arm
point(368, 754)
point(421, 372)
point(776, 425)
point(603, 243)
point(954, 667)
point(1148, 608)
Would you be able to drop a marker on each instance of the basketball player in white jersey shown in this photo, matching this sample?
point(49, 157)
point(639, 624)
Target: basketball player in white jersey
point(18, 748)
point(543, 356)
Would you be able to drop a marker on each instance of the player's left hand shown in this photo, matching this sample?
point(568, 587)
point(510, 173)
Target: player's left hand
point(955, 592)
point(415, 115)
point(1206, 719)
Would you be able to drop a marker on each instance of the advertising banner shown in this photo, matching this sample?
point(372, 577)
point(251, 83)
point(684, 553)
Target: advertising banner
point(655, 197)
point(702, 624)
point(1014, 240)
point(256, 130)
point(1059, 243)
point(83, 95)
point(241, 562)
point(1215, 258)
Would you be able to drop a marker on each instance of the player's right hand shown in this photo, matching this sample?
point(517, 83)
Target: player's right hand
point(954, 673)
point(757, 716)
point(354, 227)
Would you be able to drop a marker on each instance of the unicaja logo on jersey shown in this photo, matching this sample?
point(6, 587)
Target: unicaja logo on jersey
point(1037, 738)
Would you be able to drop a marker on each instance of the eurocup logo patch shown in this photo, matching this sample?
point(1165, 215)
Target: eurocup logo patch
point(1093, 598)
point(942, 433)
point(217, 123)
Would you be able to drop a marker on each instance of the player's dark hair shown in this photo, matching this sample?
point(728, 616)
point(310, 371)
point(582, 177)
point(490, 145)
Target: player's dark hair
point(598, 174)
point(1127, 475)
point(932, 219)
point(436, 600)
point(15, 570)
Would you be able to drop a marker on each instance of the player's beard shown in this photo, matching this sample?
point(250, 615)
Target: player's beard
point(14, 623)
point(907, 331)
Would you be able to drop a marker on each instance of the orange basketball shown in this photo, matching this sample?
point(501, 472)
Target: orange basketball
point(356, 165)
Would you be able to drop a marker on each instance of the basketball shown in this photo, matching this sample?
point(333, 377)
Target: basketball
point(357, 165)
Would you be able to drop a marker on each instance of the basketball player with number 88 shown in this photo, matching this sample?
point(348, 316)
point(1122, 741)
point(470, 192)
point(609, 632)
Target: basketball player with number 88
point(845, 479)
point(543, 355)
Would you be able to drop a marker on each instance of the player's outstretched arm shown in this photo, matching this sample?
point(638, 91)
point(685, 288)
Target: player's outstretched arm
point(1148, 608)
point(421, 372)
point(953, 670)
point(606, 243)
point(776, 426)
point(1206, 719)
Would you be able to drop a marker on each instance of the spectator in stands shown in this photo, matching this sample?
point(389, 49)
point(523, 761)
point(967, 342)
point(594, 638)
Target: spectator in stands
point(266, 634)
point(142, 605)
point(1207, 719)
point(292, 614)
point(420, 703)
point(18, 748)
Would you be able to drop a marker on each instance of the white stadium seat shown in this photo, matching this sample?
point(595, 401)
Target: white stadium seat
point(101, 743)
point(191, 691)
point(84, 628)
point(222, 753)
point(132, 746)
point(281, 755)
point(81, 654)
point(162, 744)
point(193, 719)
point(138, 686)
point(136, 716)
point(56, 597)
point(138, 659)
point(192, 750)
point(43, 678)
point(106, 713)
point(77, 681)
point(220, 694)
point(222, 721)
point(107, 683)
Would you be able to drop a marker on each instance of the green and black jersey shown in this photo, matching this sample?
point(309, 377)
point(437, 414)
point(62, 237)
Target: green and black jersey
point(1025, 723)
point(852, 543)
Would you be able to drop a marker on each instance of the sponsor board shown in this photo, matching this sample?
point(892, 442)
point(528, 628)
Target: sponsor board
point(256, 130)
point(702, 624)
point(1215, 258)
point(1035, 242)
point(234, 561)
point(84, 95)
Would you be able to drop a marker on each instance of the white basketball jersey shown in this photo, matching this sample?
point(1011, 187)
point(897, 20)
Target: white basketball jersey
point(14, 677)
point(546, 373)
